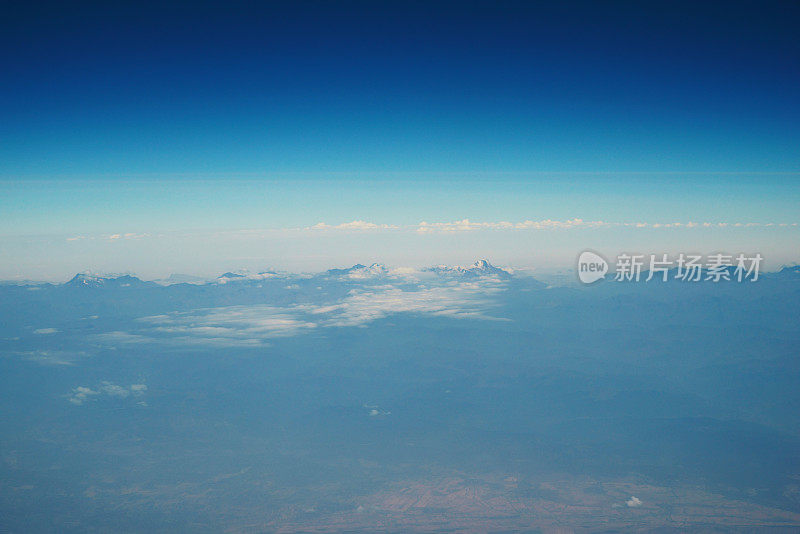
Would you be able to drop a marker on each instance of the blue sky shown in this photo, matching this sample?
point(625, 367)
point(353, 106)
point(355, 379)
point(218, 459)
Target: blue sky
point(146, 119)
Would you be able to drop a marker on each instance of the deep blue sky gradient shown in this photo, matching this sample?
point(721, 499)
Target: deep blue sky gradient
point(116, 90)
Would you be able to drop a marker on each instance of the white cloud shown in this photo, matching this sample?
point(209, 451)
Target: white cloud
point(114, 390)
point(110, 237)
point(51, 357)
point(254, 325)
point(128, 235)
point(83, 394)
point(452, 300)
point(466, 225)
point(353, 225)
point(45, 331)
point(375, 411)
point(230, 325)
point(633, 502)
point(121, 337)
point(425, 227)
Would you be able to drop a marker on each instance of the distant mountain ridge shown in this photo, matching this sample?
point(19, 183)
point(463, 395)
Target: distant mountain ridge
point(89, 280)
point(481, 268)
point(791, 272)
point(361, 271)
point(242, 276)
point(478, 269)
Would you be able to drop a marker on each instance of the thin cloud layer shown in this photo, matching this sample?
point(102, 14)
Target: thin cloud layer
point(45, 331)
point(353, 225)
point(256, 325)
point(463, 225)
point(228, 326)
point(82, 394)
point(466, 225)
point(454, 300)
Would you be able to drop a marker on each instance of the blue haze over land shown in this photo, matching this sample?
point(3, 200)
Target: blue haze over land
point(369, 398)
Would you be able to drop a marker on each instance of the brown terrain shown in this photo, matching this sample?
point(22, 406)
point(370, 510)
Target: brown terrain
point(502, 503)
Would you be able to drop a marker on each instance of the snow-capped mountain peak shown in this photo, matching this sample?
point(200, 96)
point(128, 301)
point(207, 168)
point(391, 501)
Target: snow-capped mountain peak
point(242, 276)
point(481, 267)
point(86, 280)
point(360, 271)
point(92, 280)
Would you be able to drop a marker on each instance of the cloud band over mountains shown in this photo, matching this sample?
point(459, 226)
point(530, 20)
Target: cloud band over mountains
point(467, 225)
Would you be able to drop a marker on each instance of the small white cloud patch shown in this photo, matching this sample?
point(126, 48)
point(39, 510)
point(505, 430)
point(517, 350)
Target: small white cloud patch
point(633, 502)
point(375, 411)
point(45, 331)
point(353, 225)
point(83, 394)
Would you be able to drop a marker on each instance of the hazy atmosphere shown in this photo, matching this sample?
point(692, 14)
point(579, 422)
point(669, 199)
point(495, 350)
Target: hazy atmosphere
point(399, 267)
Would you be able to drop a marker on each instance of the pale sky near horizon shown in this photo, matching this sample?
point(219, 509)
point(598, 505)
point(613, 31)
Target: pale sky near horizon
point(52, 229)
